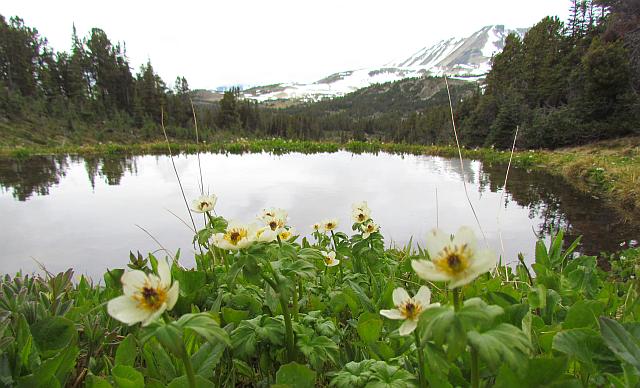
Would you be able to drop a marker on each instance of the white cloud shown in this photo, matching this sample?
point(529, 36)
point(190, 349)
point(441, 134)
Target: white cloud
point(256, 41)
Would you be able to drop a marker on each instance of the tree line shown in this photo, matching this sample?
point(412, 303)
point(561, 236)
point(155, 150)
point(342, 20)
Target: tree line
point(562, 84)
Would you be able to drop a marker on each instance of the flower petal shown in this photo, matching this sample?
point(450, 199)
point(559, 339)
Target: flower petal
point(436, 241)
point(408, 327)
point(172, 295)
point(392, 314)
point(484, 260)
point(164, 272)
point(400, 296)
point(423, 296)
point(132, 281)
point(333, 263)
point(426, 270)
point(125, 309)
point(460, 281)
point(465, 235)
point(152, 317)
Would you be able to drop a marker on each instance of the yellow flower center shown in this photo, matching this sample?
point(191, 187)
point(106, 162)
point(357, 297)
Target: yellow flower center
point(361, 217)
point(204, 205)
point(410, 309)
point(273, 225)
point(453, 260)
point(150, 298)
point(285, 235)
point(328, 260)
point(234, 236)
point(330, 225)
point(370, 228)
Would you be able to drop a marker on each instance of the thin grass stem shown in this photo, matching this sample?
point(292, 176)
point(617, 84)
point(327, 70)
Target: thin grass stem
point(464, 181)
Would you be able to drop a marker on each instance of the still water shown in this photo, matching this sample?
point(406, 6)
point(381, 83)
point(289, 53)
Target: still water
point(88, 213)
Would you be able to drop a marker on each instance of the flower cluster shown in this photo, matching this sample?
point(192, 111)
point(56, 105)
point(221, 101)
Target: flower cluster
point(271, 225)
point(457, 260)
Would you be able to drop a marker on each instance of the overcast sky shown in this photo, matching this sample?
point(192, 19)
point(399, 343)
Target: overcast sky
point(257, 42)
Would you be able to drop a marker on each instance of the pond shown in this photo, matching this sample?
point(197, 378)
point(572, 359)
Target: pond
point(87, 213)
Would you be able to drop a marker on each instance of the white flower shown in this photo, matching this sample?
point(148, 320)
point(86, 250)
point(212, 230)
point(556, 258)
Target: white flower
point(329, 258)
point(330, 224)
point(145, 297)
point(360, 212)
point(237, 236)
point(287, 234)
point(316, 227)
point(275, 218)
point(369, 228)
point(457, 260)
point(204, 203)
point(265, 234)
point(409, 308)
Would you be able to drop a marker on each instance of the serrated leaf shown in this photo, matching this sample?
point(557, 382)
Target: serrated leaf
point(620, 341)
point(503, 344)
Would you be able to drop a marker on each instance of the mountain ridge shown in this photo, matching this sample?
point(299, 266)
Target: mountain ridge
point(465, 58)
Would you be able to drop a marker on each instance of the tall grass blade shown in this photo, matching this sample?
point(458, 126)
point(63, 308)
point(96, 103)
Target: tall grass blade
point(464, 181)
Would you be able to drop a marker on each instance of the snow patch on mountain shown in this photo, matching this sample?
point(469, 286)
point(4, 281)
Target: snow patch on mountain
point(465, 58)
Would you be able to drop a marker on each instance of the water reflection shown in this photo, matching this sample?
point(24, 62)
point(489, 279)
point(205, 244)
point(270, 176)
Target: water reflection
point(82, 212)
point(33, 176)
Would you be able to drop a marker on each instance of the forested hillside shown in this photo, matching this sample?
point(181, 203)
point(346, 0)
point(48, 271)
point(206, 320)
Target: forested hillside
point(562, 84)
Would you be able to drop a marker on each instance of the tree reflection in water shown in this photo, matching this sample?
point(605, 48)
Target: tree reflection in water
point(36, 175)
point(558, 205)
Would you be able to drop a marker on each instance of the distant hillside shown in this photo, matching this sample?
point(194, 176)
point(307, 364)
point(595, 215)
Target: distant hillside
point(399, 98)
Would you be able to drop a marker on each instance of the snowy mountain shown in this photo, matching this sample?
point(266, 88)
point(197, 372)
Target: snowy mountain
point(465, 58)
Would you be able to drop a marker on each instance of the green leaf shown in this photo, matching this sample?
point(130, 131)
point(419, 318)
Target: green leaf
point(502, 344)
point(583, 313)
point(206, 358)
point(540, 372)
point(354, 374)
point(205, 325)
point(127, 377)
point(233, 316)
point(444, 326)
point(96, 382)
point(582, 344)
point(296, 376)
point(620, 341)
point(542, 257)
point(126, 352)
point(384, 375)
point(183, 382)
point(52, 334)
point(369, 327)
point(318, 349)
point(190, 281)
point(476, 313)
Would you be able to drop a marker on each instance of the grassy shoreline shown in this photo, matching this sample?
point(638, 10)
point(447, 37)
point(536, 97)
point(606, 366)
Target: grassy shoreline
point(608, 170)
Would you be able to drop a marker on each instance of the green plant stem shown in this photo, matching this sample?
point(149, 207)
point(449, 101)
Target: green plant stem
point(189, 369)
point(288, 326)
point(421, 377)
point(524, 265)
point(475, 375)
point(456, 298)
point(294, 308)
